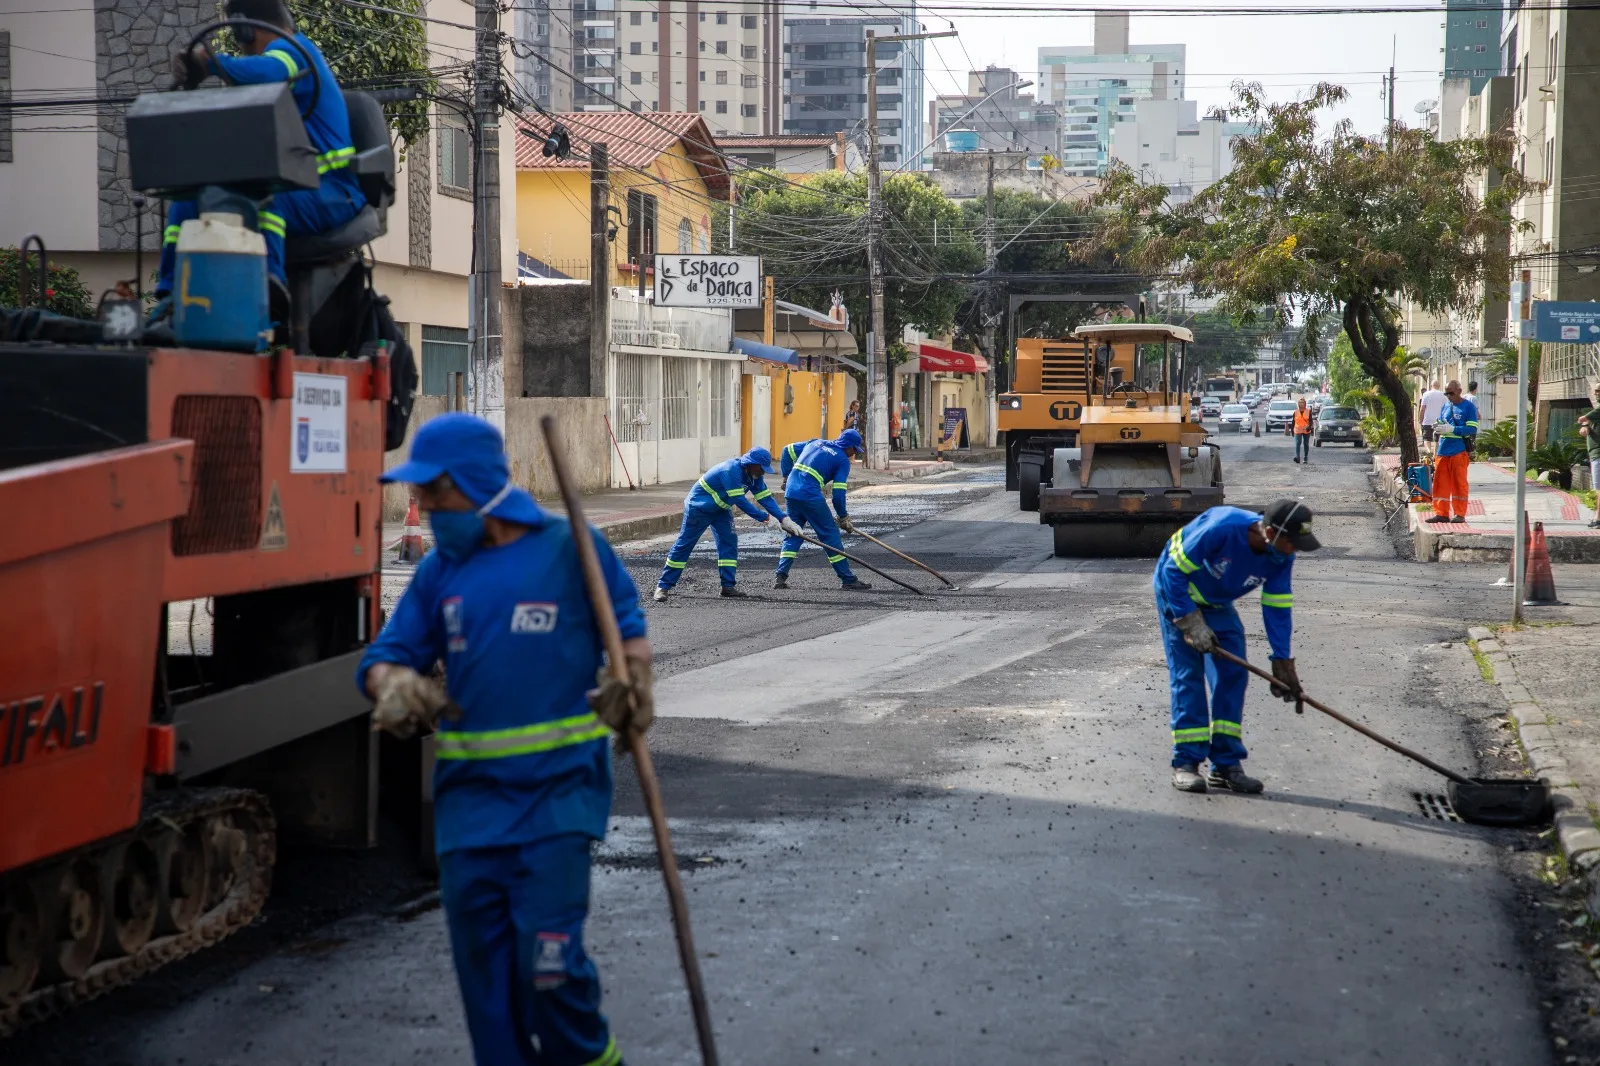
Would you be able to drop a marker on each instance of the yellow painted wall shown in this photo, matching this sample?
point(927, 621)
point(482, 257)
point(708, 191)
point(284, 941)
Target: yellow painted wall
point(553, 211)
point(811, 392)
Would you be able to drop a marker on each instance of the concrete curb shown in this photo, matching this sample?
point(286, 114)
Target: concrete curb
point(1575, 827)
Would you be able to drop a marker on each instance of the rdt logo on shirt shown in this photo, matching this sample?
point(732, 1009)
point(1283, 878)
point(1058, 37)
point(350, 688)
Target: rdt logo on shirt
point(534, 618)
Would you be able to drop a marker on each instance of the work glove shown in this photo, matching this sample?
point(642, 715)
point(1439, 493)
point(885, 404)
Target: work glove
point(1196, 633)
point(845, 524)
point(188, 69)
point(789, 526)
point(407, 701)
point(1288, 688)
point(626, 707)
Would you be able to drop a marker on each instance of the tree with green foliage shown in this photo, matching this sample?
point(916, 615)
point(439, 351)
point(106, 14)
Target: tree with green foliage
point(64, 292)
point(812, 239)
point(1503, 364)
point(1340, 225)
point(1345, 374)
point(374, 49)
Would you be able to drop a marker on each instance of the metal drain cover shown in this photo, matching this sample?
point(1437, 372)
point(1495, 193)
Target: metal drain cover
point(1436, 807)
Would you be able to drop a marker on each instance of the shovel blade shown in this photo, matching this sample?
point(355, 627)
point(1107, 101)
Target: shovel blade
point(1502, 802)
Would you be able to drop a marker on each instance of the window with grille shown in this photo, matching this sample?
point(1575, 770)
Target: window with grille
point(748, 21)
point(722, 18)
point(685, 236)
point(635, 18)
point(445, 353)
point(455, 155)
point(635, 78)
point(722, 107)
point(630, 415)
point(635, 48)
point(747, 110)
point(677, 399)
point(747, 51)
point(722, 48)
point(747, 80)
point(722, 77)
point(721, 401)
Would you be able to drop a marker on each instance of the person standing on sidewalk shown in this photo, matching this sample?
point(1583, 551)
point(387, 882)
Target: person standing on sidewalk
point(1589, 429)
point(710, 503)
point(1428, 407)
point(1454, 433)
point(1302, 432)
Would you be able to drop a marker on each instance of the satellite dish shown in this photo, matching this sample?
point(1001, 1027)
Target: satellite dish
point(1424, 106)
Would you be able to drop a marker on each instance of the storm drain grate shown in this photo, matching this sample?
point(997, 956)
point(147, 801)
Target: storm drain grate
point(1436, 807)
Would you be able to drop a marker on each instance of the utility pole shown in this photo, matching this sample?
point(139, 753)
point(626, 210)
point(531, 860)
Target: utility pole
point(1519, 543)
point(1389, 127)
point(877, 405)
point(990, 314)
point(599, 266)
point(489, 368)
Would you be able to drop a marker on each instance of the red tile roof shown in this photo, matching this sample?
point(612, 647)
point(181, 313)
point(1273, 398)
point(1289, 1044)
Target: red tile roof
point(633, 141)
point(733, 142)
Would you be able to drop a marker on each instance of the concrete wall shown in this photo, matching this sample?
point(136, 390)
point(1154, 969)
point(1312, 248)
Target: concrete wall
point(555, 326)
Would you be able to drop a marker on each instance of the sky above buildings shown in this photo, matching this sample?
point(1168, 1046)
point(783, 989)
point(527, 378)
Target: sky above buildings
point(1288, 54)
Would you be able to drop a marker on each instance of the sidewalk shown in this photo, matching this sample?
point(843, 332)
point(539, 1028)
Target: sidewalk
point(1486, 536)
point(624, 514)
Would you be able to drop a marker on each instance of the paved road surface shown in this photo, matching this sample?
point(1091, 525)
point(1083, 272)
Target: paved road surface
point(939, 830)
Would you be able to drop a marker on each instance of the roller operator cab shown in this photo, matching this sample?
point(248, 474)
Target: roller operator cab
point(1138, 464)
point(191, 565)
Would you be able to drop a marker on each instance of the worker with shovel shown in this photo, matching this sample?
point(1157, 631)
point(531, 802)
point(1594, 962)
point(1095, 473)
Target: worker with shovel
point(710, 503)
point(791, 454)
point(1208, 564)
point(823, 469)
point(522, 782)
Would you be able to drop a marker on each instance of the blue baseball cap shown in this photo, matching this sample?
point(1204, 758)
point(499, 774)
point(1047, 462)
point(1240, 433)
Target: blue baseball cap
point(849, 440)
point(757, 457)
point(472, 452)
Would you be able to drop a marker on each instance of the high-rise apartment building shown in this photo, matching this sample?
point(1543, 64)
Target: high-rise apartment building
point(1004, 118)
point(1093, 86)
point(825, 79)
point(1472, 41)
point(579, 40)
point(1166, 142)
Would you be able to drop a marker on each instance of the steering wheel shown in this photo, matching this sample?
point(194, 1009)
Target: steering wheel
point(308, 69)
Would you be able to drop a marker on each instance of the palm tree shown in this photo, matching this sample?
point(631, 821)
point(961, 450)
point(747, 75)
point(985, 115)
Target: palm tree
point(1503, 363)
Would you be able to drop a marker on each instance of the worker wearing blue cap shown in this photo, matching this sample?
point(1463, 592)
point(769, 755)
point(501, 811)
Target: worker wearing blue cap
point(732, 483)
point(522, 781)
point(822, 469)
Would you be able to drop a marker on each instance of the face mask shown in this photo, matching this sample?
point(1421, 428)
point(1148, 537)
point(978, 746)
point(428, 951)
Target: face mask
point(458, 534)
point(1277, 554)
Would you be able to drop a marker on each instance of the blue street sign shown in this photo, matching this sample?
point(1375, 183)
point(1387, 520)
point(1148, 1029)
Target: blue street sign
point(1566, 322)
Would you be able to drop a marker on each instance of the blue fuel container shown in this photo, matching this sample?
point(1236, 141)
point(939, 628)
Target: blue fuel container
point(220, 297)
point(1420, 480)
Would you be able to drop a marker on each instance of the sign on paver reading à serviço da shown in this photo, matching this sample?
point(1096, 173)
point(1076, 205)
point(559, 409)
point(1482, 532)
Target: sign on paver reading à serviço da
point(708, 281)
point(1566, 322)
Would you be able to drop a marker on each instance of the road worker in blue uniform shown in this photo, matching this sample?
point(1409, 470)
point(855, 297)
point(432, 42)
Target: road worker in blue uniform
point(710, 503)
point(791, 453)
point(522, 782)
point(1208, 564)
point(267, 58)
point(822, 469)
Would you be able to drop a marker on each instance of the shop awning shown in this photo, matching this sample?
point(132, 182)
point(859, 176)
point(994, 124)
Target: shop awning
point(770, 352)
point(932, 359)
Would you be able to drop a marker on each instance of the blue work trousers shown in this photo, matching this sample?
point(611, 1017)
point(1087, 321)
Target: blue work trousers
point(695, 522)
point(1199, 734)
point(303, 212)
point(531, 995)
point(815, 513)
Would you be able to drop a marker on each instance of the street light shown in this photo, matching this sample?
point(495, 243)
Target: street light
point(1021, 83)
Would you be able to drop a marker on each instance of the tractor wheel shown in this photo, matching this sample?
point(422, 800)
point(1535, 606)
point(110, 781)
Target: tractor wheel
point(1028, 478)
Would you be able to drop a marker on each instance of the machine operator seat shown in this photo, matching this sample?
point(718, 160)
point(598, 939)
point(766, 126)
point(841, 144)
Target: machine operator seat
point(317, 264)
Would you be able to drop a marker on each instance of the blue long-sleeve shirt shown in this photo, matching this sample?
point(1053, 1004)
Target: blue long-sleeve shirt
point(727, 485)
point(514, 627)
point(791, 453)
point(327, 125)
point(822, 468)
point(1209, 563)
point(1462, 419)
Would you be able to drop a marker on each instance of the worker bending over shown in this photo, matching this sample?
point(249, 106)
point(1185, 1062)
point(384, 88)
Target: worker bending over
point(267, 58)
point(1207, 565)
point(522, 781)
point(1453, 436)
point(790, 454)
point(822, 468)
point(734, 483)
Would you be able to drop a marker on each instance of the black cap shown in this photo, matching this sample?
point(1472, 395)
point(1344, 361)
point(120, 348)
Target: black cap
point(1293, 519)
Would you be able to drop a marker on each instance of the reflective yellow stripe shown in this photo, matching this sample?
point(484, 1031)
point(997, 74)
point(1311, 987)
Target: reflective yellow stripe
point(813, 473)
point(727, 562)
point(835, 558)
point(838, 486)
point(338, 157)
point(285, 58)
point(524, 740)
point(763, 494)
point(1179, 558)
point(677, 565)
point(271, 223)
point(735, 492)
point(611, 1056)
point(1194, 594)
point(1226, 728)
point(170, 234)
point(1277, 599)
point(1190, 736)
point(726, 506)
point(788, 555)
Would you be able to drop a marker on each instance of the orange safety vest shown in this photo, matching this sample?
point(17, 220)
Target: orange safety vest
point(1302, 421)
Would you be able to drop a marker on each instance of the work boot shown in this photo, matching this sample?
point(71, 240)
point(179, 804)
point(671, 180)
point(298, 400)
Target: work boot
point(1233, 779)
point(1436, 519)
point(1457, 518)
point(734, 592)
point(1297, 458)
point(855, 586)
point(1186, 778)
point(781, 581)
point(660, 595)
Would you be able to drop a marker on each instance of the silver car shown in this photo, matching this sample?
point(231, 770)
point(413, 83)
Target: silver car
point(1280, 413)
point(1235, 416)
point(1339, 423)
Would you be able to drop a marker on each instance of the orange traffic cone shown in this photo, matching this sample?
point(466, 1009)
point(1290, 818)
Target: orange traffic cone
point(411, 547)
point(1541, 587)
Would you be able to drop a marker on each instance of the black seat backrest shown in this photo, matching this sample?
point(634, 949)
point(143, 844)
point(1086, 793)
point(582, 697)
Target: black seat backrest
point(374, 163)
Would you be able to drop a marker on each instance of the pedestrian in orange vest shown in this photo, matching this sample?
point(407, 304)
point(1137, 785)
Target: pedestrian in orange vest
point(1302, 432)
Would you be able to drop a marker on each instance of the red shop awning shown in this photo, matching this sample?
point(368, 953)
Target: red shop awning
point(933, 359)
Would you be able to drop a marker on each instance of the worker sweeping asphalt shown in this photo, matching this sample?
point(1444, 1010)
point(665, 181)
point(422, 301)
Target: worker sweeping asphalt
point(791, 453)
point(822, 469)
point(1208, 564)
point(522, 782)
point(710, 503)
